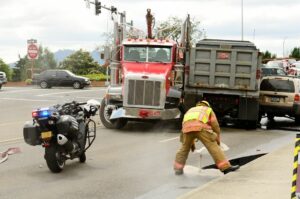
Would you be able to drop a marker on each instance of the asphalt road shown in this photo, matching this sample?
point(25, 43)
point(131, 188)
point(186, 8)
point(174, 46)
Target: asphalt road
point(135, 162)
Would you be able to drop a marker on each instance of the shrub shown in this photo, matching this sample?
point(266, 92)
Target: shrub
point(28, 81)
point(96, 77)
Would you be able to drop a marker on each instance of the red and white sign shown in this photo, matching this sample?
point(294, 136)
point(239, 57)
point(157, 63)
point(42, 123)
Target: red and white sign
point(223, 55)
point(32, 51)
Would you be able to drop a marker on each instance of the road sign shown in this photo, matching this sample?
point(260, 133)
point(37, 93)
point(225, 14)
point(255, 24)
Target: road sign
point(32, 51)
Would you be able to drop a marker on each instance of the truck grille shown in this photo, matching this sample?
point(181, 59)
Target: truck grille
point(144, 92)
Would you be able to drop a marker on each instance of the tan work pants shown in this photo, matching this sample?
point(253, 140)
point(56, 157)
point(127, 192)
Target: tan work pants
point(209, 140)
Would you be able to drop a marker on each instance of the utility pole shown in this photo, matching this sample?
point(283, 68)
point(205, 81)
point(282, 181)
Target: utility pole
point(242, 17)
point(119, 35)
point(283, 46)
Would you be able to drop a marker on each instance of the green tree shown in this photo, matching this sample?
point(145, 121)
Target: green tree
point(45, 60)
point(268, 55)
point(80, 63)
point(5, 68)
point(295, 53)
point(19, 72)
point(172, 28)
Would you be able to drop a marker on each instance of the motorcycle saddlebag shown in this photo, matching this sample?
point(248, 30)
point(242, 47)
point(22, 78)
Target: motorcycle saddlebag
point(31, 134)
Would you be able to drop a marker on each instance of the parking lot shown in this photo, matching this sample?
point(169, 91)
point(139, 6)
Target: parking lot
point(134, 162)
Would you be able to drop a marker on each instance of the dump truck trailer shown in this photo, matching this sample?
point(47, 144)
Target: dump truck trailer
point(225, 73)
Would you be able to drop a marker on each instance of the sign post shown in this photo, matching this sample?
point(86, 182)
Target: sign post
point(32, 52)
point(296, 170)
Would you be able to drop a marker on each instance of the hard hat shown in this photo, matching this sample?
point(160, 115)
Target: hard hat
point(203, 102)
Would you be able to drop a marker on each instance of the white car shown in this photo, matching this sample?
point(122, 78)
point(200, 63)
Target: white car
point(3, 78)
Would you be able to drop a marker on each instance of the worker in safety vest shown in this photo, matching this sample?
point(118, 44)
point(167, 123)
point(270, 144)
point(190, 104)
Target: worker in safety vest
point(200, 123)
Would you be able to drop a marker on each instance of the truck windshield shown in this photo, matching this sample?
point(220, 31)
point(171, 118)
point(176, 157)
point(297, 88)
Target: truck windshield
point(147, 53)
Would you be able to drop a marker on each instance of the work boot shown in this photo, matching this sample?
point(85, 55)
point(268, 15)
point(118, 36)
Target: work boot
point(231, 169)
point(178, 171)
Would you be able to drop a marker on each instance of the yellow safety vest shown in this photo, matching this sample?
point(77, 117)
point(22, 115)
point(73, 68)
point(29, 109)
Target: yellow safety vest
point(200, 113)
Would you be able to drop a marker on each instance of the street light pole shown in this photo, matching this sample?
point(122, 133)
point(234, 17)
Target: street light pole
point(283, 46)
point(242, 13)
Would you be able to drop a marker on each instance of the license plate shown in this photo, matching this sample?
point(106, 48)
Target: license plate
point(275, 99)
point(46, 135)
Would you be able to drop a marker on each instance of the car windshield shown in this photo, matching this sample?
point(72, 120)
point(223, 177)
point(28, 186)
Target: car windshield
point(147, 53)
point(277, 85)
point(297, 65)
point(70, 73)
point(272, 71)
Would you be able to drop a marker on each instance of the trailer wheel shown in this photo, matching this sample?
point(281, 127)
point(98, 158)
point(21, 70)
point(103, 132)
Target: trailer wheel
point(105, 113)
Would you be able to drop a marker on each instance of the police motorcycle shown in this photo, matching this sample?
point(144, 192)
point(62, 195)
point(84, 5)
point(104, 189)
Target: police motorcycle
point(65, 131)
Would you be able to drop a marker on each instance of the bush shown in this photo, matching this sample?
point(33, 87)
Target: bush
point(28, 81)
point(96, 77)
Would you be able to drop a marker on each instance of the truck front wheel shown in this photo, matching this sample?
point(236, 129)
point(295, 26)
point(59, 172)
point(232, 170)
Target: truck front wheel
point(105, 113)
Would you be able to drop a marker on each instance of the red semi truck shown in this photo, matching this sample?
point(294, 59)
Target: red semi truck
point(142, 82)
point(145, 89)
point(158, 79)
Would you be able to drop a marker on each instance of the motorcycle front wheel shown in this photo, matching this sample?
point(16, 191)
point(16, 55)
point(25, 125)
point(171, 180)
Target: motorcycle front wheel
point(54, 158)
point(82, 158)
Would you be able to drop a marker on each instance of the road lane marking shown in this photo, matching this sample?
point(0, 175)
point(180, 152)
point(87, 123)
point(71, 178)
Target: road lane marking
point(65, 93)
point(16, 91)
point(11, 140)
point(23, 99)
point(10, 123)
point(170, 139)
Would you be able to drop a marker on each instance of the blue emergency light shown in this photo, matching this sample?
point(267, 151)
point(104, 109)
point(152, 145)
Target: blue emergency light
point(41, 113)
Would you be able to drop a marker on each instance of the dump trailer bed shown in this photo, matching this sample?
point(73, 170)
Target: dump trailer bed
point(224, 72)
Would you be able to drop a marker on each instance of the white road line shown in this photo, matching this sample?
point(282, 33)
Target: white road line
point(23, 99)
point(16, 91)
point(11, 140)
point(65, 92)
point(10, 123)
point(170, 139)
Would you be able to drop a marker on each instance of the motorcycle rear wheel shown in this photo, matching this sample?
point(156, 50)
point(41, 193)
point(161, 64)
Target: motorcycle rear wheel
point(54, 159)
point(82, 157)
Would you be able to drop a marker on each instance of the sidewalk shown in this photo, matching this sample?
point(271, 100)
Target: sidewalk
point(267, 177)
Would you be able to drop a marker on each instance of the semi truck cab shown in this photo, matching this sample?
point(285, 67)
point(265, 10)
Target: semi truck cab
point(144, 88)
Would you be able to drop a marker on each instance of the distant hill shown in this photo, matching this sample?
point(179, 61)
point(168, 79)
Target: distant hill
point(60, 55)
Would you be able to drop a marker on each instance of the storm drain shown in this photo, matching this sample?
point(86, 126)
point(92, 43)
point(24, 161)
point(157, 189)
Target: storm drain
point(238, 161)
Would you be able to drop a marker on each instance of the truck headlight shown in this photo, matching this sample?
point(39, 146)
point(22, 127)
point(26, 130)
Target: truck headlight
point(115, 97)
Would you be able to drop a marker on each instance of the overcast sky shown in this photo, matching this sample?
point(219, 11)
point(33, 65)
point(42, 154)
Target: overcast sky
point(68, 24)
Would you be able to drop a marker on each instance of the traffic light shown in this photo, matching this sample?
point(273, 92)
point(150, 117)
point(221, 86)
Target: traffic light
point(97, 7)
point(113, 9)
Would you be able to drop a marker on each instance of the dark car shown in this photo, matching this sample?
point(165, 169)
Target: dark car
point(50, 78)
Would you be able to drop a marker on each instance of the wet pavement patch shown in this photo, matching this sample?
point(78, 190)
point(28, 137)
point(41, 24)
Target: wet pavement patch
point(238, 161)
